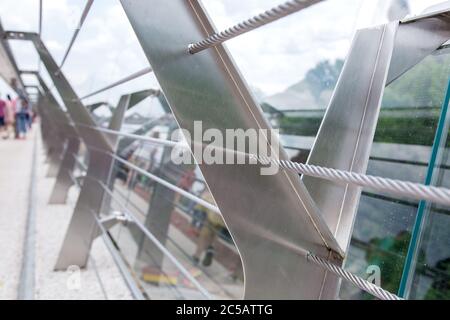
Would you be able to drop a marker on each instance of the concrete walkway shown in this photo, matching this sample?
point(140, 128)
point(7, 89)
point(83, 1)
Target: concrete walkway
point(51, 225)
point(15, 170)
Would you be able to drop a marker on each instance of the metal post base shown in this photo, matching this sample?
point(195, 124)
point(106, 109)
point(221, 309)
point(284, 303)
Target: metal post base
point(82, 227)
point(63, 179)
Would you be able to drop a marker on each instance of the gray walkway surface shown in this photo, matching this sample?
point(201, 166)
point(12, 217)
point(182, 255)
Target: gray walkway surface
point(51, 225)
point(15, 169)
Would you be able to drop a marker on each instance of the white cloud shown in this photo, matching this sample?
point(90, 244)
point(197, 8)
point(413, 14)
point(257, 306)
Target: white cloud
point(271, 58)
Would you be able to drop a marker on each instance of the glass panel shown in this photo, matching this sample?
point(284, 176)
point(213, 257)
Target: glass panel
point(294, 70)
point(109, 51)
point(402, 149)
point(196, 236)
point(293, 76)
point(431, 276)
point(430, 270)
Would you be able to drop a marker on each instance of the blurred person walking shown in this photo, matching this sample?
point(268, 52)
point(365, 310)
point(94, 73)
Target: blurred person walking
point(22, 110)
point(210, 225)
point(10, 113)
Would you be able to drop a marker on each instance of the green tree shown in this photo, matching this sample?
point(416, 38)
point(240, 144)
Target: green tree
point(323, 76)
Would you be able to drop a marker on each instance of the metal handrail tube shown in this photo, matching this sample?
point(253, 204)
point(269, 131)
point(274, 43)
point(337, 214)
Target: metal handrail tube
point(79, 162)
point(77, 30)
point(165, 142)
point(152, 238)
point(408, 189)
point(137, 294)
point(169, 143)
point(168, 184)
point(122, 81)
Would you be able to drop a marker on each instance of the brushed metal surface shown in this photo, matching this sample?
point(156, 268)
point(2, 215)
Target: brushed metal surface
point(79, 236)
point(416, 39)
point(126, 102)
point(341, 142)
point(345, 136)
point(64, 180)
point(117, 118)
point(8, 65)
point(266, 215)
point(78, 113)
point(61, 128)
point(82, 228)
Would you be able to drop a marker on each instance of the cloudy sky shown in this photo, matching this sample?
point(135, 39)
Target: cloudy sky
point(270, 58)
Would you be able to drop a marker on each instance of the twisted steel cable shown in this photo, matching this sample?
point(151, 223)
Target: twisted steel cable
point(357, 281)
point(407, 189)
point(401, 188)
point(310, 257)
point(264, 18)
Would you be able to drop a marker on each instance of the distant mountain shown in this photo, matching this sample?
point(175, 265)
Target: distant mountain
point(313, 92)
point(299, 97)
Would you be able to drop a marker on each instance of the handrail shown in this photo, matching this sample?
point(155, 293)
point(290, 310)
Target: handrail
point(408, 189)
point(184, 145)
point(168, 184)
point(131, 283)
point(77, 30)
point(119, 82)
point(152, 238)
point(169, 143)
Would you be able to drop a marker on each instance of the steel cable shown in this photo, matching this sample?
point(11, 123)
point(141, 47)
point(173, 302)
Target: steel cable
point(401, 188)
point(350, 277)
point(264, 18)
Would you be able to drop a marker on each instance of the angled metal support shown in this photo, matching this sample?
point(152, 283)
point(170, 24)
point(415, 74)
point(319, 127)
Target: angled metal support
point(52, 130)
point(345, 137)
point(63, 179)
point(146, 127)
point(126, 102)
point(268, 215)
point(78, 240)
point(95, 106)
point(48, 125)
point(432, 28)
point(8, 66)
point(377, 57)
point(68, 142)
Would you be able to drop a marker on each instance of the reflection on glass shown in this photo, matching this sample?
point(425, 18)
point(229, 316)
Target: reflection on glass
point(196, 236)
point(401, 150)
point(431, 275)
point(429, 272)
point(294, 100)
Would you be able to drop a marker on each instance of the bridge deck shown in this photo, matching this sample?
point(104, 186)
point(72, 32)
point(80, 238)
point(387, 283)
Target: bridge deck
point(50, 228)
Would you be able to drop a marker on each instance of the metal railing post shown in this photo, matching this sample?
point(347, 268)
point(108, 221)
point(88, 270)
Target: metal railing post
point(76, 246)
